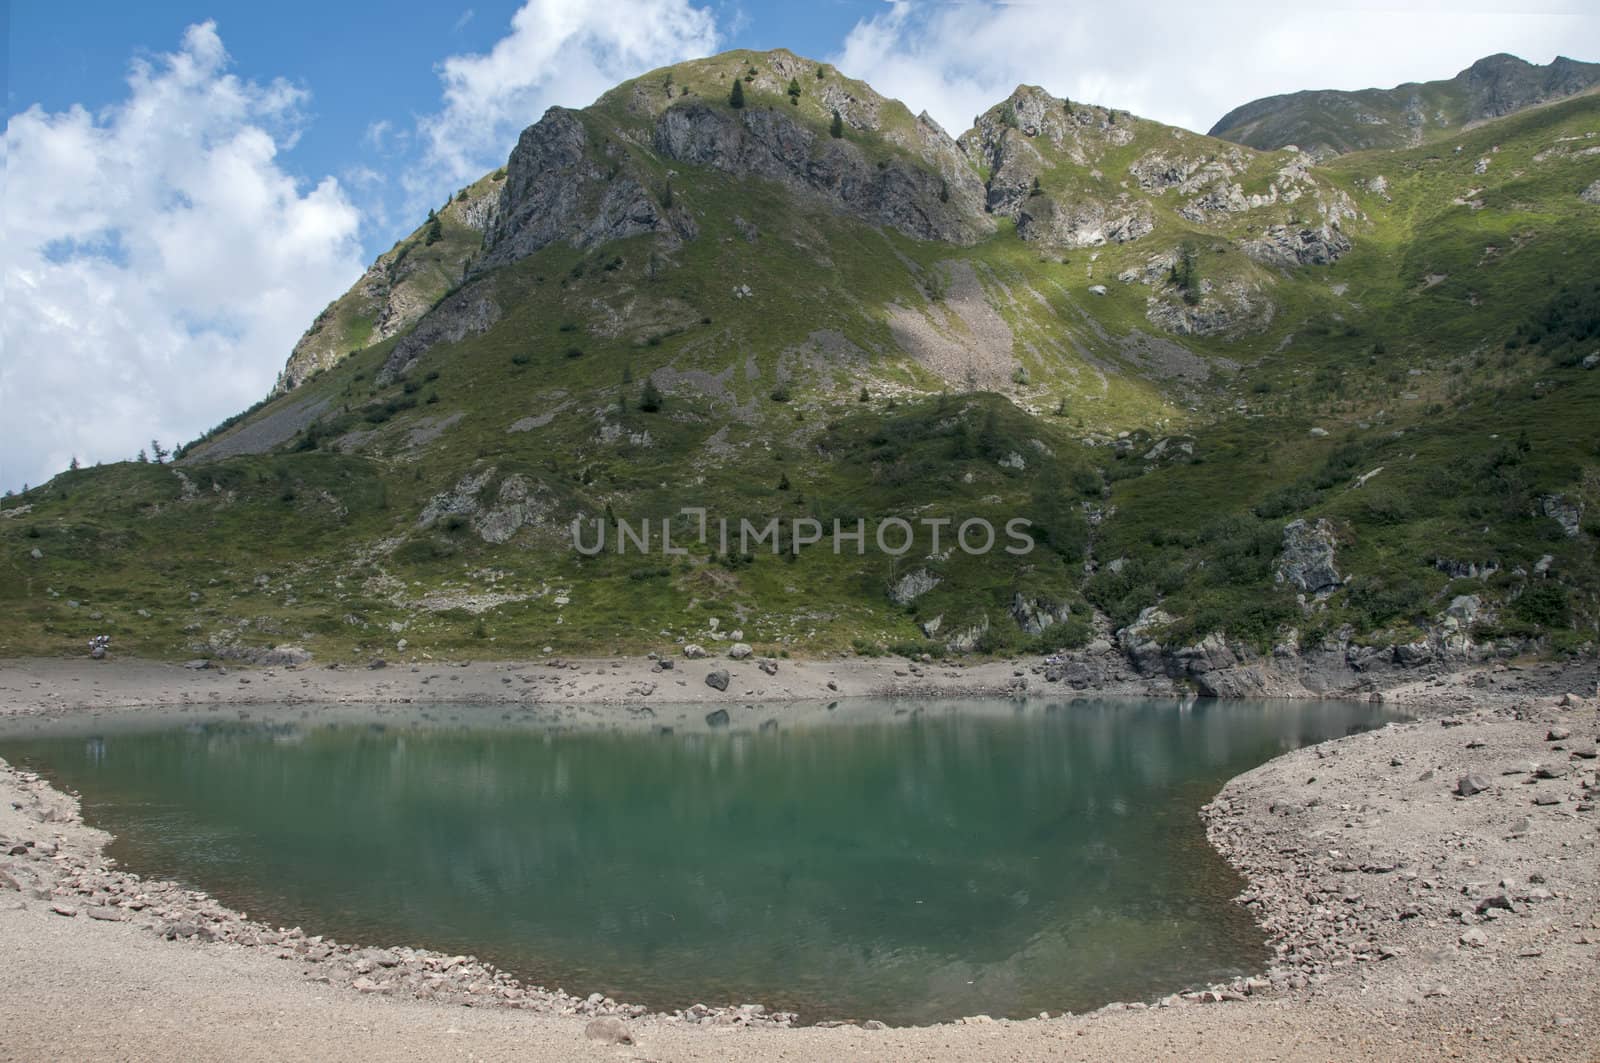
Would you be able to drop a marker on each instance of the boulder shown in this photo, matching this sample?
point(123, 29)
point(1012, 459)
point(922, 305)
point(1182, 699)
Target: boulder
point(608, 1030)
point(911, 586)
point(1307, 560)
point(717, 680)
point(1471, 784)
point(1035, 614)
point(694, 651)
point(1567, 512)
point(740, 650)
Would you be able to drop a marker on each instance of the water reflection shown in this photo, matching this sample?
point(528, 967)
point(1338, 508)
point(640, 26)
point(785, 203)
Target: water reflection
point(963, 858)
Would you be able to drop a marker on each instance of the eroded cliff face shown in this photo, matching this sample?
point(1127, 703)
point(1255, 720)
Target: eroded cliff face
point(568, 182)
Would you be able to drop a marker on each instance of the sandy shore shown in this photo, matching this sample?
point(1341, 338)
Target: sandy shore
point(1408, 922)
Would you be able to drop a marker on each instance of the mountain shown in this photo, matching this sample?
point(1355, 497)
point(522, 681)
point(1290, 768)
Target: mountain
point(1265, 416)
point(1330, 122)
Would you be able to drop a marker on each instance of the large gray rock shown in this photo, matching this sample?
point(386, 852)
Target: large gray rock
point(1565, 511)
point(1307, 560)
point(608, 1030)
point(717, 680)
point(1591, 194)
point(1281, 245)
point(1034, 614)
point(1138, 642)
point(911, 586)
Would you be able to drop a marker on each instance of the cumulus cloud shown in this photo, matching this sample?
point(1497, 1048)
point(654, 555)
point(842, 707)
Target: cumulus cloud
point(563, 52)
point(158, 264)
point(1185, 64)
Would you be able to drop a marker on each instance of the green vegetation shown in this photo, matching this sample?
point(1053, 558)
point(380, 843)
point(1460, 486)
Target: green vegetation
point(1423, 397)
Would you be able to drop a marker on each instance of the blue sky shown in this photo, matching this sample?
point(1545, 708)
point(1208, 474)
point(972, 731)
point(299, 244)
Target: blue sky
point(188, 184)
point(362, 62)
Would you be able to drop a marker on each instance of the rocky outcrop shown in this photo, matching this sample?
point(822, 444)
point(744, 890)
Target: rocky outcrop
point(1083, 223)
point(470, 311)
point(1033, 614)
point(1231, 307)
point(560, 186)
point(1567, 512)
point(495, 509)
point(1591, 194)
point(1307, 560)
point(930, 195)
point(911, 586)
point(1284, 245)
point(395, 291)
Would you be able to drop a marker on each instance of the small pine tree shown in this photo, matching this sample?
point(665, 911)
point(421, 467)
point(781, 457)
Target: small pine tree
point(1035, 190)
point(944, 191)
point(1008, 115)
point(836, 129)
point(783, 481)
point(865, 396)
point(159, 451)
point(819, 73)
point(73, 464)
point(736, 94)
point(649, 396)
point(143, 459)
point(794, 90)
point(435, 231)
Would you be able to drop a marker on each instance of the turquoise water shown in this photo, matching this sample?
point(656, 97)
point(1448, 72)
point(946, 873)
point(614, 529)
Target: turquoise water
point(968, 858)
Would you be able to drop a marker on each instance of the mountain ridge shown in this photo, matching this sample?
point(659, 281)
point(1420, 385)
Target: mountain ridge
point(1256, 408)
point(1328, 122)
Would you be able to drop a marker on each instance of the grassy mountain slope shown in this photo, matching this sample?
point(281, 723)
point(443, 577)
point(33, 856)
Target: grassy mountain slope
point(402, 285)
point(1329, 122)
point(1162, 352)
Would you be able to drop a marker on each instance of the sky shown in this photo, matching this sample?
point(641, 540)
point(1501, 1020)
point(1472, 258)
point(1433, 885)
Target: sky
point(187, 183)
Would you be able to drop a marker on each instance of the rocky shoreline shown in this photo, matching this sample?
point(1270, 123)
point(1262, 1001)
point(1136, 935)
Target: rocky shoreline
point(1439, 878)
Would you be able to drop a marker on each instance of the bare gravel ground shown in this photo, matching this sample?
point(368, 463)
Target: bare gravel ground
point(1409, 923)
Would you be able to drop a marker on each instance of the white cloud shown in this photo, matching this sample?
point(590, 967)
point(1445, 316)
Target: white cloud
point(563, 52)
point(1189, 64)
point(158, 264)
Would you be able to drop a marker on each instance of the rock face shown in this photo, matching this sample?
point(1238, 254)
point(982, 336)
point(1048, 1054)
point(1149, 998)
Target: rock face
point(1282, 245)
point(470, 311)
point(496, 507)
point(1307, 560)
point(931, 197)
point(1331, 122)
point(559, 186)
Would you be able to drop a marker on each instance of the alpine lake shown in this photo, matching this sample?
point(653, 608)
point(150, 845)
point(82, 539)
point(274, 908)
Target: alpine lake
point(906, 862)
